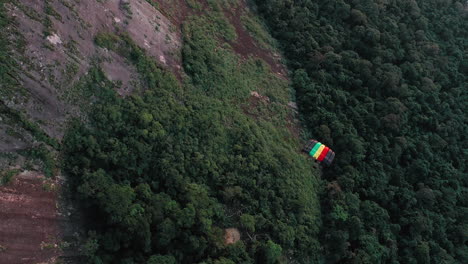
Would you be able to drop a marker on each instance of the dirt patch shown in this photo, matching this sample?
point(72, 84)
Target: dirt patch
point(246, 46)
point(251, 107)
point(260, 97)
point(29, 221)
point(175, 10)
point(231, 236)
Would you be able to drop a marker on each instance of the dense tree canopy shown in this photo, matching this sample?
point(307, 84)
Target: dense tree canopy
point(163, 172)
point(384, 83)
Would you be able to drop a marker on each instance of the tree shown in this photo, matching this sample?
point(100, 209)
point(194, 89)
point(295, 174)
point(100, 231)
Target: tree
point(161, 259)
point(272, 252)
point(248, 222)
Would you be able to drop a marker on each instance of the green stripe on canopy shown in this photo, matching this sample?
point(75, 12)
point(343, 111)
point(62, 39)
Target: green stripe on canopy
point(315, 148)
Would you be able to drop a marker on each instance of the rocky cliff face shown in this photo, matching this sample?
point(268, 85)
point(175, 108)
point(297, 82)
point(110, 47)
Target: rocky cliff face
point(53, 43)
point(53, 47)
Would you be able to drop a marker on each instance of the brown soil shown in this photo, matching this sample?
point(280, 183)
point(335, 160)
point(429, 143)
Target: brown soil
point(29, 221)
point(231, 236)
point(246, 46)
point(175, 12)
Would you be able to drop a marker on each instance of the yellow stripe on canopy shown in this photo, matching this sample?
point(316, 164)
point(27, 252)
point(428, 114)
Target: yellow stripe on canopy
point(319, 151)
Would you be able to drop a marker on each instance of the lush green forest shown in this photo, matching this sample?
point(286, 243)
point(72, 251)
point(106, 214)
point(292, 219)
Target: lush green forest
point(384, 83)
point(161, 173)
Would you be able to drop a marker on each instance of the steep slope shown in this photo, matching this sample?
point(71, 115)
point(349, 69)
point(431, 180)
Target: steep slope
point(47, 49)
point(177, 128)
point(55, 49)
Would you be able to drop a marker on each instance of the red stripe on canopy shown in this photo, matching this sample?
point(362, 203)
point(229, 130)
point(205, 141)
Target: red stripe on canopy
point(323, 154)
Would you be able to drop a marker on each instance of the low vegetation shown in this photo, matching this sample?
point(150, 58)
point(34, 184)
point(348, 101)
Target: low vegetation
point(8, 80)
point(17, 118)
point(165, 171)
point(7, 176)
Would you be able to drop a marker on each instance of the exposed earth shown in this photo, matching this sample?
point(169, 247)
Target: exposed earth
point(29, 220)
point(246, 46)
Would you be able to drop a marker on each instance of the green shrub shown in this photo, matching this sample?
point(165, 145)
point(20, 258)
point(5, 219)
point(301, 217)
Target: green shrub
point(7, 176)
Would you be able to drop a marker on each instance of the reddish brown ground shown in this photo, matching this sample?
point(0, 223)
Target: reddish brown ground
point(28, 219)
point(246, 46)
point(175, 12)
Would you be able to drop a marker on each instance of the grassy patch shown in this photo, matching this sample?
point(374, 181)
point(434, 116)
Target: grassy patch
point(7, 176)
point(48, 245)
point(127, 8)
point(71, 70)
point(45, 158)
point(221, 26)
point(194, 4)
point(30, 126)
point(49, 186)
point(29, 11)
point(8, 78)
point(47, 21)
point(219, 5)
point(151, 74)
point(48, 27)
point(258, 31)
point(49, 10)
point(217, 70)
point(84, 92)
point(72, 50)
point(153, 3)
point(106, 40)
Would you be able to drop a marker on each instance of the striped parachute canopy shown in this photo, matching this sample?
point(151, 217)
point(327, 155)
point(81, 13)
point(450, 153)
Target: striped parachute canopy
point(319, 152)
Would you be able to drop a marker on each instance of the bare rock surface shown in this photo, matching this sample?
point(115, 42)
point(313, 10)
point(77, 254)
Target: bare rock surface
point(54, 56)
